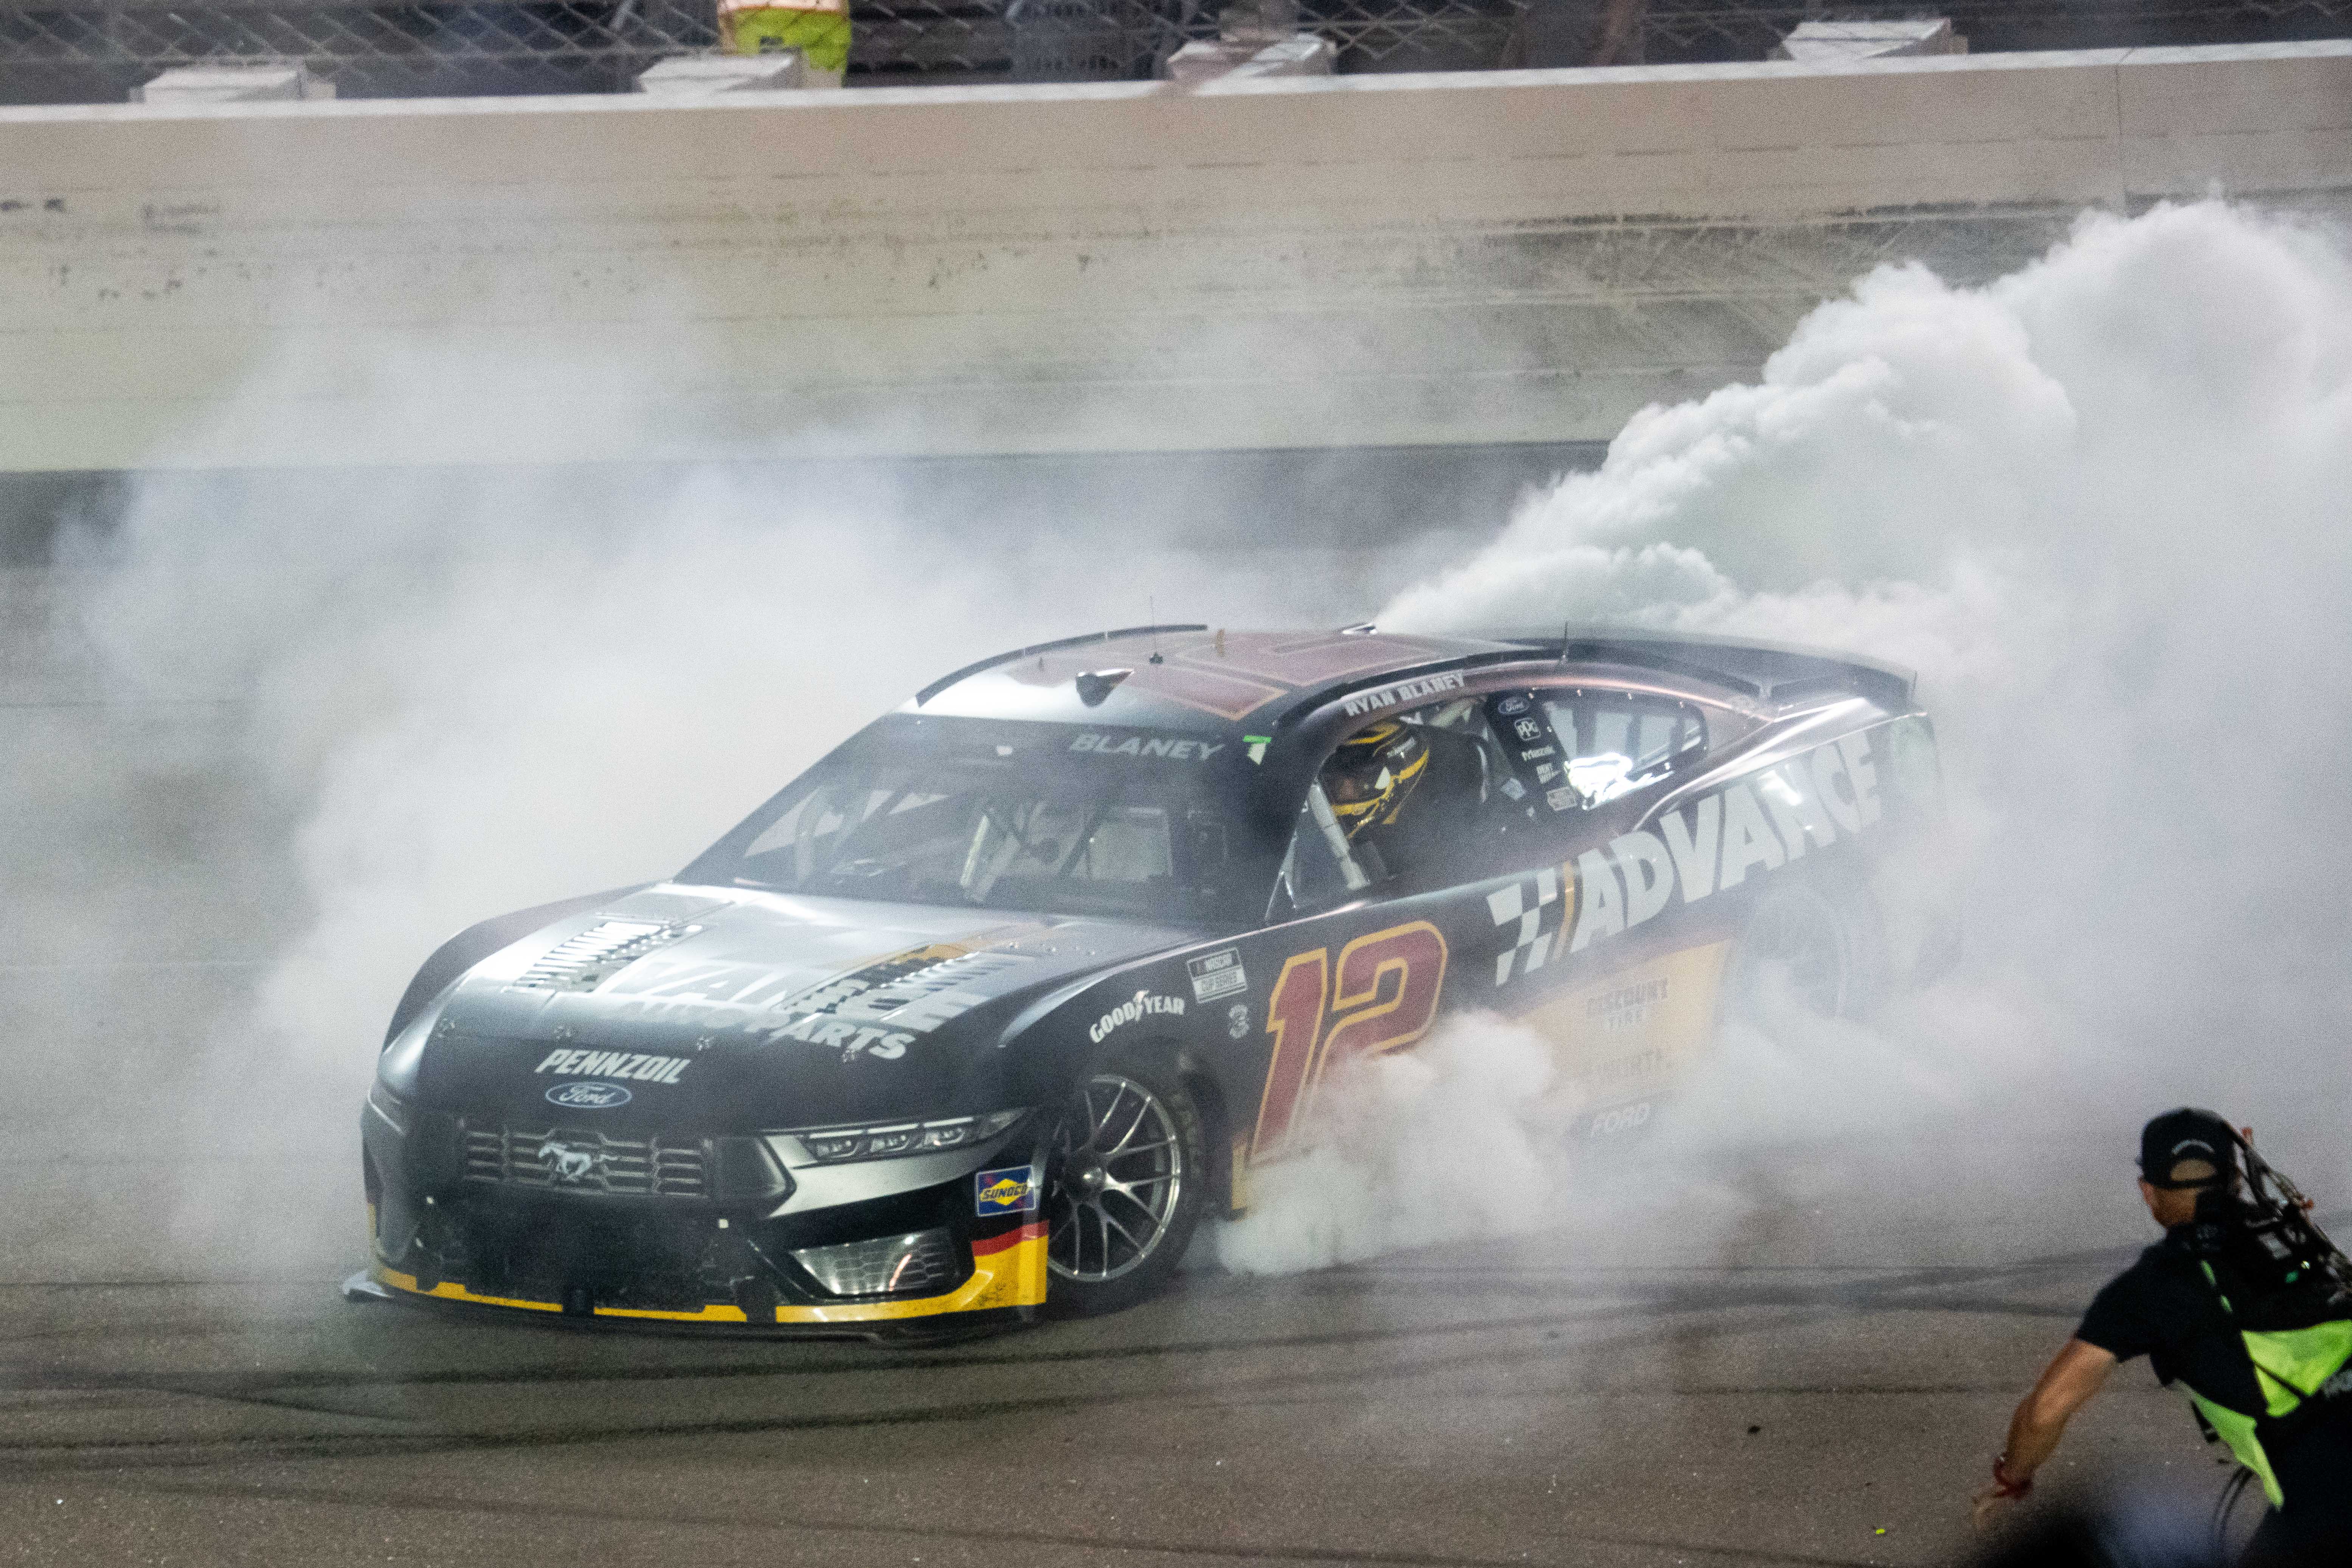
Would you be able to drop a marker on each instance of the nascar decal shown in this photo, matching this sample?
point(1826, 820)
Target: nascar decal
point(1013, 1189)
point(1216, 975)
point(1382, 996)
point(1404, 691)
point(1169, 746)
point(614, 1064)
point(1142, 1004)
point(1760, 823)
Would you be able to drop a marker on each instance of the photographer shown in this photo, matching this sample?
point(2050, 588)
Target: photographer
point(2242, 1307)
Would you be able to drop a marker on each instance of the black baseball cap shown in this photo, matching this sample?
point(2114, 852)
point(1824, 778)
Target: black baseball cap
point(2185, 1148)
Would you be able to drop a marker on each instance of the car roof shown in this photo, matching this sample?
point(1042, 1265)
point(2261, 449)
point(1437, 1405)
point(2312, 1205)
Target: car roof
point(1196, 679)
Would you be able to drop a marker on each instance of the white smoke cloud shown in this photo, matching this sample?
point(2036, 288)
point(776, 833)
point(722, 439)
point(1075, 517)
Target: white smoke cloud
point(2100, 504)
point(1370, 1179)
point(2104, 505)
point(475, 691)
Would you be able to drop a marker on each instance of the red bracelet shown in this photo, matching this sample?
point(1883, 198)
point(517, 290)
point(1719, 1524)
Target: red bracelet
point(2003, 1484)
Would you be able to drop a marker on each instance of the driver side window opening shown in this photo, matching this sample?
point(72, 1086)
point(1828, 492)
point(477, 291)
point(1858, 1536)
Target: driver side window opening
point(1400, 800)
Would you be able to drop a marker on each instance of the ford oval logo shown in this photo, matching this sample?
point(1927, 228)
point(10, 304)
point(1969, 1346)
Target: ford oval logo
point(588, 1096)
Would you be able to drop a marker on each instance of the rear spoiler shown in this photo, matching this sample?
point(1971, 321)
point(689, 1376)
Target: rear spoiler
point(1768, 671)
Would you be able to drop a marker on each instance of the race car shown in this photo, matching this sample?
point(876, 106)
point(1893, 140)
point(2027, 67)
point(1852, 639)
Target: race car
point(981, 1015)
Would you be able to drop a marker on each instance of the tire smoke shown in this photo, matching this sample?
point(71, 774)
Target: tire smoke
point(2103, 506)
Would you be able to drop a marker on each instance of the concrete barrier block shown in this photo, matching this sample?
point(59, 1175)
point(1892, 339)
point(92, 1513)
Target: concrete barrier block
point(1204, 58)
point(1246, 58)
point(697, 75)
point(1825, 43)
point(231, 84)
point(1301, 54)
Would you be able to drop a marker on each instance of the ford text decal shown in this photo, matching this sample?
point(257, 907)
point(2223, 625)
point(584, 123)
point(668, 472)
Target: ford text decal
point(588, 1096)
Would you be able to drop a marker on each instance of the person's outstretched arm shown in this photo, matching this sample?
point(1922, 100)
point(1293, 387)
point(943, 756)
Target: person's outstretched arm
point(2066, 1385)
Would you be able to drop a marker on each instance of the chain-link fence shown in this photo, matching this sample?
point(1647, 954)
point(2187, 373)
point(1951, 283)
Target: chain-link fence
point(1701, 30)
point(95, 50)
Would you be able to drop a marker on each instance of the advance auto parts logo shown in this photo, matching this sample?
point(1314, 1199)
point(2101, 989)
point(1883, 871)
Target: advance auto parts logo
point(1757, 824)
point(588, 1096)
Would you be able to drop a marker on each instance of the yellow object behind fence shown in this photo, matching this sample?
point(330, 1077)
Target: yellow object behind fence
point(818, 28)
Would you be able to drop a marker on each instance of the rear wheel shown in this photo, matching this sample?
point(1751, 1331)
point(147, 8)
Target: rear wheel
point(1805, 947)
point(1127, 1173)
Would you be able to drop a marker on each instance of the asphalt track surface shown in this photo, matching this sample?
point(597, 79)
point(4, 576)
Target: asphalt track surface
point(1438, 1409)
point(1783, 1368)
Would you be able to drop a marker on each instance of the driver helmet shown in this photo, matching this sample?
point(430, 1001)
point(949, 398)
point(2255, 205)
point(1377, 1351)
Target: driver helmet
point(1373, 774)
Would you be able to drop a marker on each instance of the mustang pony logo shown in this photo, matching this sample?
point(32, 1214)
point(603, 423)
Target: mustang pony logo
point(566, 1162)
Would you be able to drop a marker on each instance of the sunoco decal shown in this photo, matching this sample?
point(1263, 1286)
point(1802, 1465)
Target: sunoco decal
point(1013, 1189)
point(1759, 823)
point(615, 1064)
point(1404, 691)
point(1142, 1004)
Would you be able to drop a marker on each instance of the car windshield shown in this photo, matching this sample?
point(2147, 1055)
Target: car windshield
point(1010, 817)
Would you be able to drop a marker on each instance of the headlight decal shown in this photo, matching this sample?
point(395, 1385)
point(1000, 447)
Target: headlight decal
point(839, 1145)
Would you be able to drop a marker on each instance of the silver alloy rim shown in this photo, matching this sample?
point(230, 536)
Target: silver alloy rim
point(1115, 1175)
point(1799, 935)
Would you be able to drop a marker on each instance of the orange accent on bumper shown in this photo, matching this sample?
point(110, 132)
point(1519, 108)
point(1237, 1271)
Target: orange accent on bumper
point(1008, 1270)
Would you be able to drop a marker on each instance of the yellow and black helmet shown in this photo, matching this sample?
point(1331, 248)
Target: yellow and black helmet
point(1373, 774)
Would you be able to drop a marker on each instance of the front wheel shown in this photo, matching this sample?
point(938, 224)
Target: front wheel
point(1127, 1173)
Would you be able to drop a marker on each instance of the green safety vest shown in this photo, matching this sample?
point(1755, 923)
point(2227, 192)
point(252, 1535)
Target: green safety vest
point(2290, 1366)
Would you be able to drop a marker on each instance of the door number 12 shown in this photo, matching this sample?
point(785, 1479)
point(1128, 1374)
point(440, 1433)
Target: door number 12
point(1384, 1000)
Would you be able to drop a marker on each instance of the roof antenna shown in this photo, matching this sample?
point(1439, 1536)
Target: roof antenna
point(1151, 615)
point(1563, 637)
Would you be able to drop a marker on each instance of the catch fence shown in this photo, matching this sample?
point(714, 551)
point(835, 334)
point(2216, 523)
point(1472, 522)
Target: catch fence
point(95, 50)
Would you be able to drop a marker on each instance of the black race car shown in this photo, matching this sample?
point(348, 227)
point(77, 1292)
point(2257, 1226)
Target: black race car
point(986, 1011)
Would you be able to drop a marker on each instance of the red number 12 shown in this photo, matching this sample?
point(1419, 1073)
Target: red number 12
point(1372, 1013)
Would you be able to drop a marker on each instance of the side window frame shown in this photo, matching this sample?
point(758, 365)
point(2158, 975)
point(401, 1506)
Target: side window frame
point(1318, 837)
point(1585, 699)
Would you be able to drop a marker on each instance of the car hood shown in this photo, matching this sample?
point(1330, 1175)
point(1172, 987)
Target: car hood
point(729, 1009)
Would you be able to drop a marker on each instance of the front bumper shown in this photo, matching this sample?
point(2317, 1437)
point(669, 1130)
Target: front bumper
point(857, 1249)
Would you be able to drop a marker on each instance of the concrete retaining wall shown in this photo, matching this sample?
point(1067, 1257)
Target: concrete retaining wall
point(1373, 260)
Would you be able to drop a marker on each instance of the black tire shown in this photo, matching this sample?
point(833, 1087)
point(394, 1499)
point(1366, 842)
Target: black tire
point(1816, 947)
point(1127, 1180)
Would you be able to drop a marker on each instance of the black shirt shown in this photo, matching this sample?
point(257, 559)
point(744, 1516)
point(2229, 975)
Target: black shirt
point(2162, 1308)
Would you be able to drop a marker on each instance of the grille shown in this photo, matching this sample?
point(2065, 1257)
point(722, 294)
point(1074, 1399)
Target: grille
point(915, 1265)
point(571, 1160)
